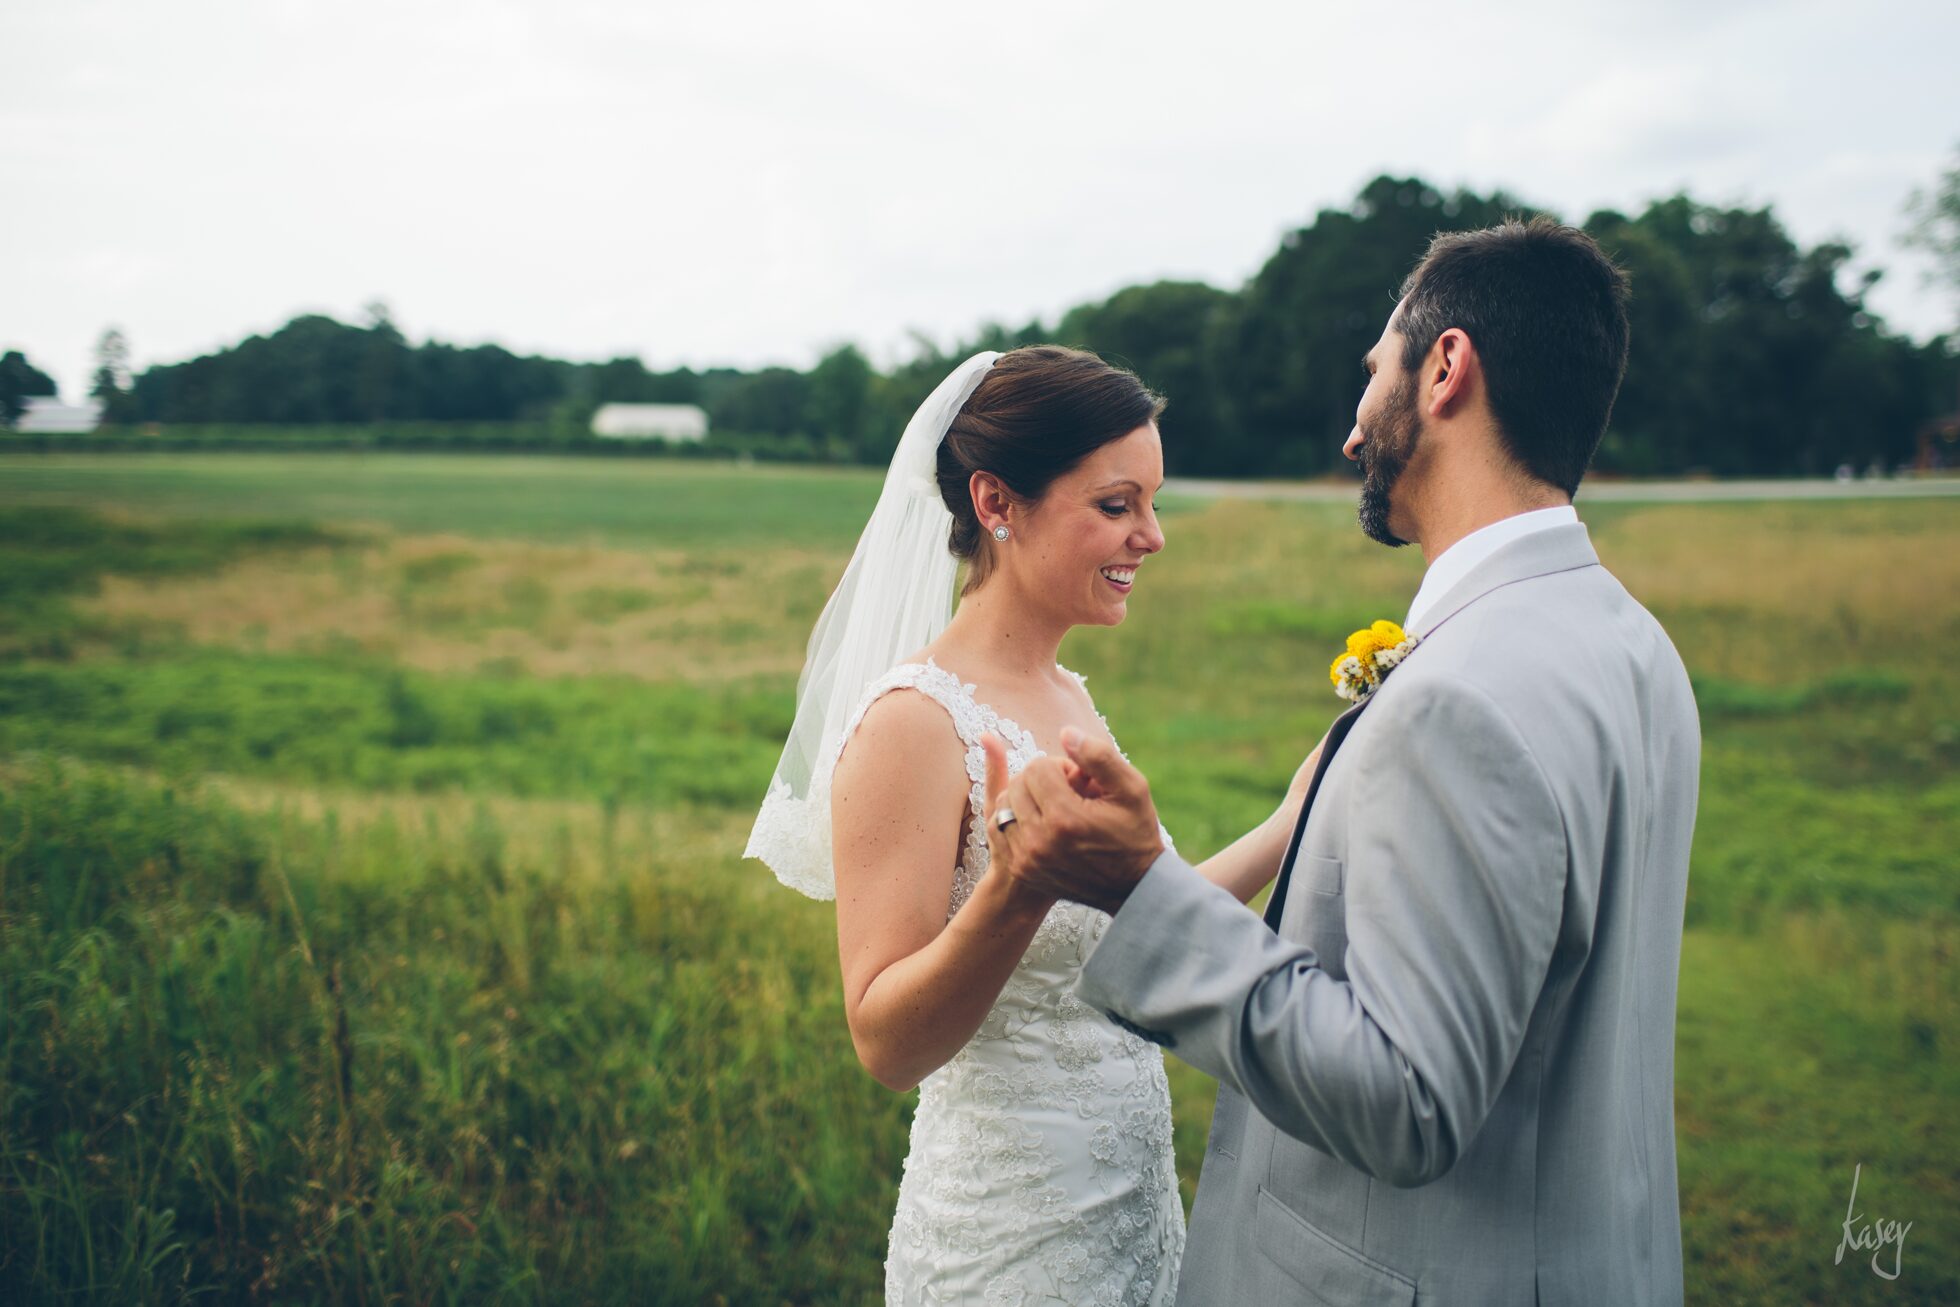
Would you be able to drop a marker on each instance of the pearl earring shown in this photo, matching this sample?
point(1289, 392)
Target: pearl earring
point(1000, 532)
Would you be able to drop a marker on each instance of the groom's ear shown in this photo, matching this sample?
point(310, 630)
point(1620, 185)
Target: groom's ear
point(1453, 371)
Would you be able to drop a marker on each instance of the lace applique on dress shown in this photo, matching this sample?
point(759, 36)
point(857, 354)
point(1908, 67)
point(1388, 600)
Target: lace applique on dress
point(1041, 1167)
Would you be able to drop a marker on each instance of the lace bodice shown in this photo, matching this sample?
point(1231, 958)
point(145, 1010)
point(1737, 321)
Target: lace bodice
point(972, 719)
point(1041, 1166)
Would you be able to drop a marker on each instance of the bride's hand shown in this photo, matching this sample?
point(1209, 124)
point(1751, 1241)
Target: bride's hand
point(1059, 844)
point(1296, 793)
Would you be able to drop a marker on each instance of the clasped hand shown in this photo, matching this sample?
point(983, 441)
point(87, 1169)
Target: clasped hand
point(1085, 826)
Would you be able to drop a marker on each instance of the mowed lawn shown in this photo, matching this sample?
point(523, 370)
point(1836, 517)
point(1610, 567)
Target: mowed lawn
point(373, 926)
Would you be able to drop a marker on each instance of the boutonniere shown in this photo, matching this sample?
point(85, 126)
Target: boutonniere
point(1369, 657)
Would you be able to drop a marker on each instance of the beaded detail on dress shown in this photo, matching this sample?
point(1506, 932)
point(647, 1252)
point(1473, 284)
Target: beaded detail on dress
point(1041, 1168)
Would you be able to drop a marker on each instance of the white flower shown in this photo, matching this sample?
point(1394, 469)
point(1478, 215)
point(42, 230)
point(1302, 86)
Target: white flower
point(1006, 1290)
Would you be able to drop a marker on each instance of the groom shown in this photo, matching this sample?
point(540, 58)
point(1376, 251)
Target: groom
point(1446, 1056)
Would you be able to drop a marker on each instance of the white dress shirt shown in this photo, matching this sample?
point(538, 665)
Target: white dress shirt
point(1457, 561)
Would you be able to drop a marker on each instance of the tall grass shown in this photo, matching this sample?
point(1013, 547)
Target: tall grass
point(372, 926)
point(355, 722)
point(258, 1057)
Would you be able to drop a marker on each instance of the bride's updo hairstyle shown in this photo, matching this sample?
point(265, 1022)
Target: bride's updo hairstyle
point(1038, 412)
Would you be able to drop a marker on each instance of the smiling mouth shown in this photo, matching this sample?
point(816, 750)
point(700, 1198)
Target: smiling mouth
point(1121, 578)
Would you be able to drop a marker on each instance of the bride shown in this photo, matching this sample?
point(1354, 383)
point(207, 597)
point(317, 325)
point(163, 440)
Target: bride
point(1040, 1167)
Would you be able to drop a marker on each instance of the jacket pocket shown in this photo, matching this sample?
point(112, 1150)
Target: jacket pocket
point(1321, 875)
point(1317, 913)
point(1328, 1271)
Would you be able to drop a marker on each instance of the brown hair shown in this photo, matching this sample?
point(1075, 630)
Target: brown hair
point(1547, 311)
point(1038, 412)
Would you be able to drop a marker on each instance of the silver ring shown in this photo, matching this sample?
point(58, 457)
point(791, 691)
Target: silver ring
point(1003, 817)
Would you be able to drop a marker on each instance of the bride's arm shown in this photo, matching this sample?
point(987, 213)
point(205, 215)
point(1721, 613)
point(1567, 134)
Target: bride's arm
point(916, 986)
point(1245, 866)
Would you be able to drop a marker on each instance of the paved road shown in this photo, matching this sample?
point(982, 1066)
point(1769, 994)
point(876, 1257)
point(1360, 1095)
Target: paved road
point(1601, 492)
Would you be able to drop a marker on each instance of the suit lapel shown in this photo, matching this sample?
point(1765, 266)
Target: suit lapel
point(1336, 735)
point(1542, 553)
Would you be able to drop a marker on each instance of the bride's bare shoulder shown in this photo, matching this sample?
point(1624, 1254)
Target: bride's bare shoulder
point(896, 804)
point(905, 745)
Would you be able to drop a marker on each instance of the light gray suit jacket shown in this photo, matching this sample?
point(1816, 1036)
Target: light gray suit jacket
point(1458, 1050)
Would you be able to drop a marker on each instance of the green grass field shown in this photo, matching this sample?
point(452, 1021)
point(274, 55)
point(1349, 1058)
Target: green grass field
point(373, 926)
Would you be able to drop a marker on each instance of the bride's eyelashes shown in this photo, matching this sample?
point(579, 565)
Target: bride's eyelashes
point(1118, 509)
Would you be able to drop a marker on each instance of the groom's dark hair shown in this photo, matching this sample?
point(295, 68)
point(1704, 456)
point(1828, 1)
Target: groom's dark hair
point(1547, 311)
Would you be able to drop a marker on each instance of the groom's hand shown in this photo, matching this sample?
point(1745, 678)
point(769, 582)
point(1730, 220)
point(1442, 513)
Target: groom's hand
point(1064, 843)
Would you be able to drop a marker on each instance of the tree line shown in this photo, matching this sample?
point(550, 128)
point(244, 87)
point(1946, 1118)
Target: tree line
point(1750, 356)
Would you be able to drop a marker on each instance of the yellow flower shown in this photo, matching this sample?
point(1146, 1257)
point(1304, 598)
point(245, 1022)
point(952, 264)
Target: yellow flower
point(1382, 635)
point(1363, 643)
point(1370, 655)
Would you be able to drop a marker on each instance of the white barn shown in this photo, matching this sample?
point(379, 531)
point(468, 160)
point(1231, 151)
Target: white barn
point(46, 415)
point(639, 421)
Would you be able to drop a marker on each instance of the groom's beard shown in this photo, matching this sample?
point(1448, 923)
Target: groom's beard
point(1385, 453)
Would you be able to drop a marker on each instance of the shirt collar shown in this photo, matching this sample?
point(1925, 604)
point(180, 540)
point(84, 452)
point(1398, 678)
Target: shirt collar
point(1456, 562)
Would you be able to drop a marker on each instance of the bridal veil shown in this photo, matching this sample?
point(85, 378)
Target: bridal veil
point(895, 596)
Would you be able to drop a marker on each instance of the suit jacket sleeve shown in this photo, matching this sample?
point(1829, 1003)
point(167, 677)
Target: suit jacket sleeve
point(1455, 879)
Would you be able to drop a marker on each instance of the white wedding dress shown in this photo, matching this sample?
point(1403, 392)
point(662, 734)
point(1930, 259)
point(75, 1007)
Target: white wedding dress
point(1041, 1168)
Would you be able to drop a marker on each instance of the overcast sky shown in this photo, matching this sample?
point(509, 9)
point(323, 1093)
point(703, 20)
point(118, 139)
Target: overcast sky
point(750, 183)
